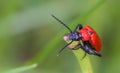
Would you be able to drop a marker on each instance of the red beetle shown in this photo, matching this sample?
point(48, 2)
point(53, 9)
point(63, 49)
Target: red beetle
point(90, 41)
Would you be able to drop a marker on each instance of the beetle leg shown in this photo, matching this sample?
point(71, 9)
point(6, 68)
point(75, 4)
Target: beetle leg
point(76, 47)
point(78, 26)
point(96, 53)
point(86, 47)
point(84, 56)
point(89, 49)
point(82, 47)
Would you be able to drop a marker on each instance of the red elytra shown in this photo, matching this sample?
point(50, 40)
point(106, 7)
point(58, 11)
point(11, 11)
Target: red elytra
point(88, 34)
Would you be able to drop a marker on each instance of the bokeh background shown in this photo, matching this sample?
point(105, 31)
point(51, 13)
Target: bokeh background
point(29, 35)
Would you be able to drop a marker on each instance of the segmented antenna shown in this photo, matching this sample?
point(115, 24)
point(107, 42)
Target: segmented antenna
point(64, 48)
point(62, 23)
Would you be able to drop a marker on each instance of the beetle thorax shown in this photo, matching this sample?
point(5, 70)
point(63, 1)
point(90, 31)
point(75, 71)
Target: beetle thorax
point(75, 36)
point(72, 36)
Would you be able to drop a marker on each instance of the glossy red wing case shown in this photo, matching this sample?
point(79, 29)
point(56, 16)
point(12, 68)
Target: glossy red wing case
point(88, 34)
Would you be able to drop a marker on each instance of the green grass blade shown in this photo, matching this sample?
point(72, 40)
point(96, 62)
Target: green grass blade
point(85, 63)
point(21, 69)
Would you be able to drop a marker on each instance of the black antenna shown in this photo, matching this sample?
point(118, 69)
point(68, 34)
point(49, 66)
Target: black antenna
point(64, 48)
point(62, 23)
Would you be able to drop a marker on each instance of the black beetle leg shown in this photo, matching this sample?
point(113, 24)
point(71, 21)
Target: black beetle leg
point(82, 47)
point(84, 56)
point(96, 53)
point(76, 47)
point(89, 49)
point(78, 26)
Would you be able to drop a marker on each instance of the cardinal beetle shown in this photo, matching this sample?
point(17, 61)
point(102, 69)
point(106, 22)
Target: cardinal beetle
point(87, 39)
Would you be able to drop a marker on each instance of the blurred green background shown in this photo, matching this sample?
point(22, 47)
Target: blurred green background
point(29, 35)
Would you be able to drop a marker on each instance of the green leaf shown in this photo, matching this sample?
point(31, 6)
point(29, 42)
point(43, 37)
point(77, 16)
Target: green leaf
point(21, 69)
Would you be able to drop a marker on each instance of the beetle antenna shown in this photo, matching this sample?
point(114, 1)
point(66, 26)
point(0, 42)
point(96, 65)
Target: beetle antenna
point(64, 48)
point(62, 23)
